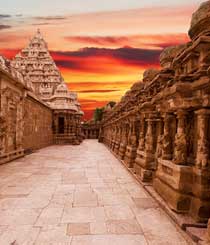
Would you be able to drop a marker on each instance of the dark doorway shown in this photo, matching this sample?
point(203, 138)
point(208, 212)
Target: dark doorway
point(61, 125)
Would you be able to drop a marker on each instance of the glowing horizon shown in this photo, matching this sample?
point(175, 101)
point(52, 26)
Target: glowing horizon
point(102, 52)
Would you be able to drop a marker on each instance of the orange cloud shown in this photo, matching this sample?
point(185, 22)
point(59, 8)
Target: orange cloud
point(110, 50)
point(141, 41)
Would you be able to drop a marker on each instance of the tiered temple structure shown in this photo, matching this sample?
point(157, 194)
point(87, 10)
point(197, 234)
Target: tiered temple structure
point(44, 78)
point(36, 107)
point(161, 127)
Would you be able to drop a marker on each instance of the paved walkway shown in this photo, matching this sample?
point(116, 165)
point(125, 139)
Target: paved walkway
point(78, 195)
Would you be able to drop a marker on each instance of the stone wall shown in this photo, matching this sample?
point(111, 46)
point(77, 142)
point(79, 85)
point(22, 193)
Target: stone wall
point(12, 93)
point(37, 124)
point(91, 130)
point(25, 121)
point(161, 126)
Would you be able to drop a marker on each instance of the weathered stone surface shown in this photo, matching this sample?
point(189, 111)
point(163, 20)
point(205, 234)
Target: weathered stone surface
point(36, 207)
point(172, 134)
point(36, 107)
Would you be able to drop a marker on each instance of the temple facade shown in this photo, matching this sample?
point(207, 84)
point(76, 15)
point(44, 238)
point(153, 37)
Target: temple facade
point(161, 127)
point(36, 107)
point(43, 77)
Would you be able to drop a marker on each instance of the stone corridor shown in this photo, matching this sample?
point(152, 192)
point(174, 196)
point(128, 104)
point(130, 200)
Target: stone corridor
point(78, 195)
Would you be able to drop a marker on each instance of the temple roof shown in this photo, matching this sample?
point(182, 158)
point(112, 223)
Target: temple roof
point(200, 20)
point(39, 68)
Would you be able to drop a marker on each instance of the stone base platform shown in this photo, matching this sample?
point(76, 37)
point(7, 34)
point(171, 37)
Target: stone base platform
point(130, 156)
point(174, 184)
point(11, 156)
point(122, 151)
point(144, 166)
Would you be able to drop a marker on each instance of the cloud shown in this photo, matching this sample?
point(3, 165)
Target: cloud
point(149, 40)
point(50, 18)
point(97, 91)
point(97, 40)
point(5, 16)
point(88, 106)
point(41, 24)
point(100, 59)
point(2, 27)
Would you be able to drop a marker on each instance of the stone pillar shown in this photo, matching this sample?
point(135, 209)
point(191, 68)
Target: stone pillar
point(159, 147)
point(124, 141)
point(200, 207)
point(180, 151)
point(141, 146)
point(146, 155)
point(117, 140)
point(167, 139)
point(202, 156)
point(149, 144)
point(114, 138)
point(131, 148)
point(173, 179)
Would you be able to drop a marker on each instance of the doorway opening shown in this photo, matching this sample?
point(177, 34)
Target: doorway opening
point(61, 125)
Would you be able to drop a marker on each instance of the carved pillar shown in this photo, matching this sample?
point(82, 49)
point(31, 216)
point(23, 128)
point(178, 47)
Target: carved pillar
point(173, 178)
point(114, 138)
point(167, 139)
point(180, 151)
point(124, 141)
point(141, 146)
point(200, 207)
point(202, 155)
point(131, 148)
point(145, 163)
point(142, 134)
point(159, 147)
point(118, 139)
point(149, 144)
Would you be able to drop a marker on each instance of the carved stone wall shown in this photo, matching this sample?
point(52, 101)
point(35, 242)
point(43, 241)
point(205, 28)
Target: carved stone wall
point(172, 105)
point(11, 117)
point(91, 130)
point(37, 125)
point(25, 121)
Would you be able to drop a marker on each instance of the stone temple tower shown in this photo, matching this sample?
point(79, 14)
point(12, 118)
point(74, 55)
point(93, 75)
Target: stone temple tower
point(44, 78)
point(38, 67)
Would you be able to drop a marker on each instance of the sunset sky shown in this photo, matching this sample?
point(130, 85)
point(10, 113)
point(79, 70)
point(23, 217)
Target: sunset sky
point(101, 47)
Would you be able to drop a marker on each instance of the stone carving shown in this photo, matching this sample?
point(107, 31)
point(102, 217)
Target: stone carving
point(180, 151)
point(176, 155)
point(43, 78)
point(159, 149)
point(141, 141)
point(203, 153)
point(4, 63)
point(166, 145)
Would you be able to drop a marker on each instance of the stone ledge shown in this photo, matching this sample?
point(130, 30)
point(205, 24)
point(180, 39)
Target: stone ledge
point(11, 156)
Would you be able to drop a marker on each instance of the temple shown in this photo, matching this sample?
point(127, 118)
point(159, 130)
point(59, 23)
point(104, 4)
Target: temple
point(160, 129)
point(37, 109)
point(42, 76)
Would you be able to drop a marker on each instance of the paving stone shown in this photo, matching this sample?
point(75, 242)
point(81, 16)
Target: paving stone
point(60, 196)
point(123, 227)
point(75, 229)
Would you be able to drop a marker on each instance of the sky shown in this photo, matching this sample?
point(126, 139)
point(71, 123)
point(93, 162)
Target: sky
point(101, 47)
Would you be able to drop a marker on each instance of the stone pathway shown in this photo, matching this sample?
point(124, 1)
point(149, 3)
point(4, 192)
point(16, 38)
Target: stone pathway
point(78, 195)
